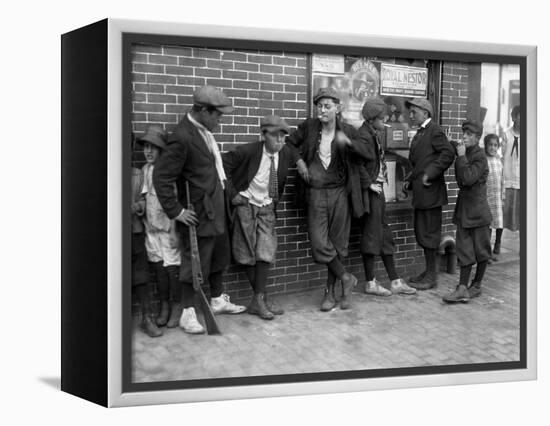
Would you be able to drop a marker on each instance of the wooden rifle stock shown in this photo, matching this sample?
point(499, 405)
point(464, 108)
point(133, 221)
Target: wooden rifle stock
point(209, 318)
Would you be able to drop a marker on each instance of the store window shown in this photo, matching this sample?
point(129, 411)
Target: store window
point(395, 80)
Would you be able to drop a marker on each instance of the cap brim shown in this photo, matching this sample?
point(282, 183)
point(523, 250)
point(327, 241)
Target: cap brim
point(317, 99)
point(275, 129)
point(225, 109)
point(152, 140)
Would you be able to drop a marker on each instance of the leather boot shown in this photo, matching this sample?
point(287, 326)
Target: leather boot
point(175, 314)
point(258, 307)
point(272, 306)
point(428, 281)
point(149, 327)
point(474, 290)
point(329, 301)
point(348, 282)
point(164, 314)
point(460, 294)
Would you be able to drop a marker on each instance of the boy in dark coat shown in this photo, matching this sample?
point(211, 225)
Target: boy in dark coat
point(256, 174)
point(472, 215)
point(430, 156)
point(192, 156)
point(326, 165)
point(376, 235)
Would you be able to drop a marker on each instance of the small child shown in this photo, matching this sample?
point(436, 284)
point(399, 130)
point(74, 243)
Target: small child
point(472, 215)
point(140, 268)
point(494, 189)
point(162, 241)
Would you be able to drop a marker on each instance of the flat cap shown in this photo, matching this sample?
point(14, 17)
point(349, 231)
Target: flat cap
point(373, 107)
point(214, 97)
point(273, 123)
point(421, 103)
point(472, 126)
point(326, 92)
point(154, 135)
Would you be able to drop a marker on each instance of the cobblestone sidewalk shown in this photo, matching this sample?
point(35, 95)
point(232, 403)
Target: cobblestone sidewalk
point(397, 331)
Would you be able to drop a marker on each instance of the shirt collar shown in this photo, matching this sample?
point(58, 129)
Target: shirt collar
point(423, 125)
point(275, 156)
point(196, 123)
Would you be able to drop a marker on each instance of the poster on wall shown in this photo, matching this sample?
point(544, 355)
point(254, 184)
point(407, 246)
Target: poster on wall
point(400, 80)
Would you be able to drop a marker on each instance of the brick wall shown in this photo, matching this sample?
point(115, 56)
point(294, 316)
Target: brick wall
point(262, 83)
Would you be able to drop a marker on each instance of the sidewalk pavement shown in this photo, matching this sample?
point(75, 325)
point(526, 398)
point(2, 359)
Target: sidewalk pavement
point(379, 332)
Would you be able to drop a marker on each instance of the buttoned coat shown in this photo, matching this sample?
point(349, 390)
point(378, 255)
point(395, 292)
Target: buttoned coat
point(471, 171)
point(187, 158)
point(431, 154)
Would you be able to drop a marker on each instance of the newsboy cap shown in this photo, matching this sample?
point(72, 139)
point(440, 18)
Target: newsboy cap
point(273, 123)
point(472, 126)
point(154, 135)
point(373, 107)
point(421, 103)
point(214, 97)
point(326, 92)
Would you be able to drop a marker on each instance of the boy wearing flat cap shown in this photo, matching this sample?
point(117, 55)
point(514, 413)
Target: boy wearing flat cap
point(161, 238)
point(192, 155)
point(256, 175)
point(329, 149)
point(430, 155)
point(376, 236)
point(472, 215)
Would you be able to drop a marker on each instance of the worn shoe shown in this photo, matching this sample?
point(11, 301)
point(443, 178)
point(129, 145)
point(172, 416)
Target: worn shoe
point(348, 282)
point(374, 287)
point(222, 305)
point(460, 294)
point(175, 314)
point(189, 322)
point(257, 307)
point(418, 278)
point(474, 290)
point(273, 306)
point(164, 314)
point(399, 286)
point(429, 281)
point(149, 327)
point(329, 302)
point(345, 302)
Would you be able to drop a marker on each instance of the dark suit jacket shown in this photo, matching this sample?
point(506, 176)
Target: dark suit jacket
point(242, 164)
point(430, 154)
point(472, 208)
point(187, 158)
point(307, 138)
point(372, 161)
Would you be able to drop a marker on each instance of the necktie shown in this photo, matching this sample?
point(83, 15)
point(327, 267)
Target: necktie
point(515, 146)
point(273, 184)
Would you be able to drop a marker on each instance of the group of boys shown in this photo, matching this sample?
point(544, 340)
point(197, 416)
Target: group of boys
point(234, 200)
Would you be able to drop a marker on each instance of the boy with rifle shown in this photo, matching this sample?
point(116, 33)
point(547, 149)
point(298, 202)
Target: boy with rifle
point(192, 155)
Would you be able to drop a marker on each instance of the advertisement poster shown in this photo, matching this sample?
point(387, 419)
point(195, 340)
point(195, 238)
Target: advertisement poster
point(400, 80)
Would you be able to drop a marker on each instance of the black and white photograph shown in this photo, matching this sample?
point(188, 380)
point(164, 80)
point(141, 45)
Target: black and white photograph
point(309, 213)
point(281, 213)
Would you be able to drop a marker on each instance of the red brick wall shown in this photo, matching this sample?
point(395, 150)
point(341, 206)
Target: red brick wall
point(262, 83)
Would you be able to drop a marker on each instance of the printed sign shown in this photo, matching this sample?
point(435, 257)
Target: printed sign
point(332, 64)
point(400, 80)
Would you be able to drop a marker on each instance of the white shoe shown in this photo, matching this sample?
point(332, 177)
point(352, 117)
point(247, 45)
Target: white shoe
point(399, 286)
point(374, 287)
point(189, 322)
point(222, 305)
